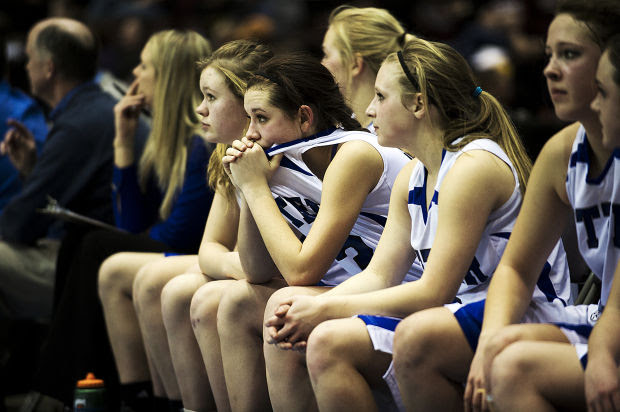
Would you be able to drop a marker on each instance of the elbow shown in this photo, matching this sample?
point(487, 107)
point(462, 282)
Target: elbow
point(303, 278)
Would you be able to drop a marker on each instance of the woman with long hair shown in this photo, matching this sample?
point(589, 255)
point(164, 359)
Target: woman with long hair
point(141, 335)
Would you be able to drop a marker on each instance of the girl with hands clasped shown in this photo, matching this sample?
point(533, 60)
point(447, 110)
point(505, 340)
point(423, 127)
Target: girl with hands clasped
point(315, 193)
point(575, 177)
point(452, 209)
point(160, 330)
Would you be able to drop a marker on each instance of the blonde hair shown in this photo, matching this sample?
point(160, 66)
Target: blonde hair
point(445, 80)
point(372, 32)
point(236, 61)
point(176, 93)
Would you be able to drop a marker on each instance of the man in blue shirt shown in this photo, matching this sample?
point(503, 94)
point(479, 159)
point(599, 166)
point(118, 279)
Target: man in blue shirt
point(74, 166)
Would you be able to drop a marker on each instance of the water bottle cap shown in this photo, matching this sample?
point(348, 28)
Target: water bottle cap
point(90, 382)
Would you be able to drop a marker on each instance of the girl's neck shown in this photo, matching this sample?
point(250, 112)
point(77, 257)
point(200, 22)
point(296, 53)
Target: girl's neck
point(363, 91)
point(600, 154)
point(427, 148)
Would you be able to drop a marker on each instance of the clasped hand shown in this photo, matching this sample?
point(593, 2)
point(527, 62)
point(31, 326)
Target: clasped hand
point(293, 321)
point(246, 163)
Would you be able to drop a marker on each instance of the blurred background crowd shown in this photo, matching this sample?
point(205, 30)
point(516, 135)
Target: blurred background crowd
point(502, 39)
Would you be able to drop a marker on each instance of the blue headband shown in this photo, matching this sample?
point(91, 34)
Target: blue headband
point(477, 91)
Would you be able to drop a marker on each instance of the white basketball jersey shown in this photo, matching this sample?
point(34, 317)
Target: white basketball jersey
point(553, 282)
point(595, 201)
point(297, 192)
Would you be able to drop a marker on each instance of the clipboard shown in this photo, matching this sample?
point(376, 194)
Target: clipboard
point(55, 210)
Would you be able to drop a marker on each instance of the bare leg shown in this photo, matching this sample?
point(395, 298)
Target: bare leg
point(344, 367)
point(190, 372)
point(116, 276)
point(548, 376)
point(287, 375)
point(431, 360)
point(240, 326)
point(147, 302)
point(203, 315)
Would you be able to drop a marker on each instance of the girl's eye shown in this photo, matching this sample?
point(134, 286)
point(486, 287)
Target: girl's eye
point(379, 96)
point(261, 118)
point(569, 54)
point(210, 97)
point(601, 92)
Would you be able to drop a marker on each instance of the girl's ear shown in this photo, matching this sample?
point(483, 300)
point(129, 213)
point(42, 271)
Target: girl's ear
point(418, 108)
point(357, 66)
point(306, 118)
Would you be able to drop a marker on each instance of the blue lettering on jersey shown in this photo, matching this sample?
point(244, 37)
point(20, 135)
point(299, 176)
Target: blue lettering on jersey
point(354, 255)
point(589, 214)
point(422, 256)
point(474, 275)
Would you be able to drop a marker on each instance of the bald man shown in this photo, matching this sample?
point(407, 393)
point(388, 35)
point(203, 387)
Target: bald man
point(74, 167)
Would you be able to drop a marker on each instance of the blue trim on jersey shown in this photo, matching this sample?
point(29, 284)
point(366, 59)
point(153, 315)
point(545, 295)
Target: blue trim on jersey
point(504, 235)
point(377, 218)
point(301, 140)
point(443, 154)
point(584, 361)
point(384, 322)
point(288, 163)
point(469, 318)
point(435, 198)
point(546, 286)
point(169, 254)
point(582, 329)
point(417, 196)
point(582, 156)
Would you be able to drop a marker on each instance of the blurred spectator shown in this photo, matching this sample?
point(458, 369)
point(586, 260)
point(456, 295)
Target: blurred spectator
point(14, 104)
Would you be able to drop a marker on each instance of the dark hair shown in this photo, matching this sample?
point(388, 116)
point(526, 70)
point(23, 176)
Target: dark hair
point(600, 16)
point(75, 57)
point(297, 79)
point(613, 52)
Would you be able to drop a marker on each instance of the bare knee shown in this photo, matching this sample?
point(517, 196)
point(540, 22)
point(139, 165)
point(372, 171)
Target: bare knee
point(325, 346)
point(176, 297)
point(237, 303)
point(416, 338)
point(205, 303)
point(148, 285)
point(511, 369)
point(111, 276)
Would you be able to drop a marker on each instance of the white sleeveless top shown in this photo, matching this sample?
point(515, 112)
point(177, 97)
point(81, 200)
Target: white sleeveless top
point(595, 202)
point(297, 192)
point(554, 280)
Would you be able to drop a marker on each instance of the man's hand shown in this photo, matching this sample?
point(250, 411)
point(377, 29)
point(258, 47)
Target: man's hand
point(20, 146)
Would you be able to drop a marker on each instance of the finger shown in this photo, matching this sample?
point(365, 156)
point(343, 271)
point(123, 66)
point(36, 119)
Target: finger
point(274, 163)
point(282, 310)
point(133, 88)
point(233, 152)
point(226, 160)
point(21, 128)
point(247, 142)
point(271, 334)
point(300, 346)
point(239, 145)
point(467, 396)
point(274, 321)
point(284, 345)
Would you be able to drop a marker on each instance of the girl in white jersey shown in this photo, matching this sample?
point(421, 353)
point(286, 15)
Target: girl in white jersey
point(452, 211)
point(574, 178)
point(311, 215)
point(599, 384)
